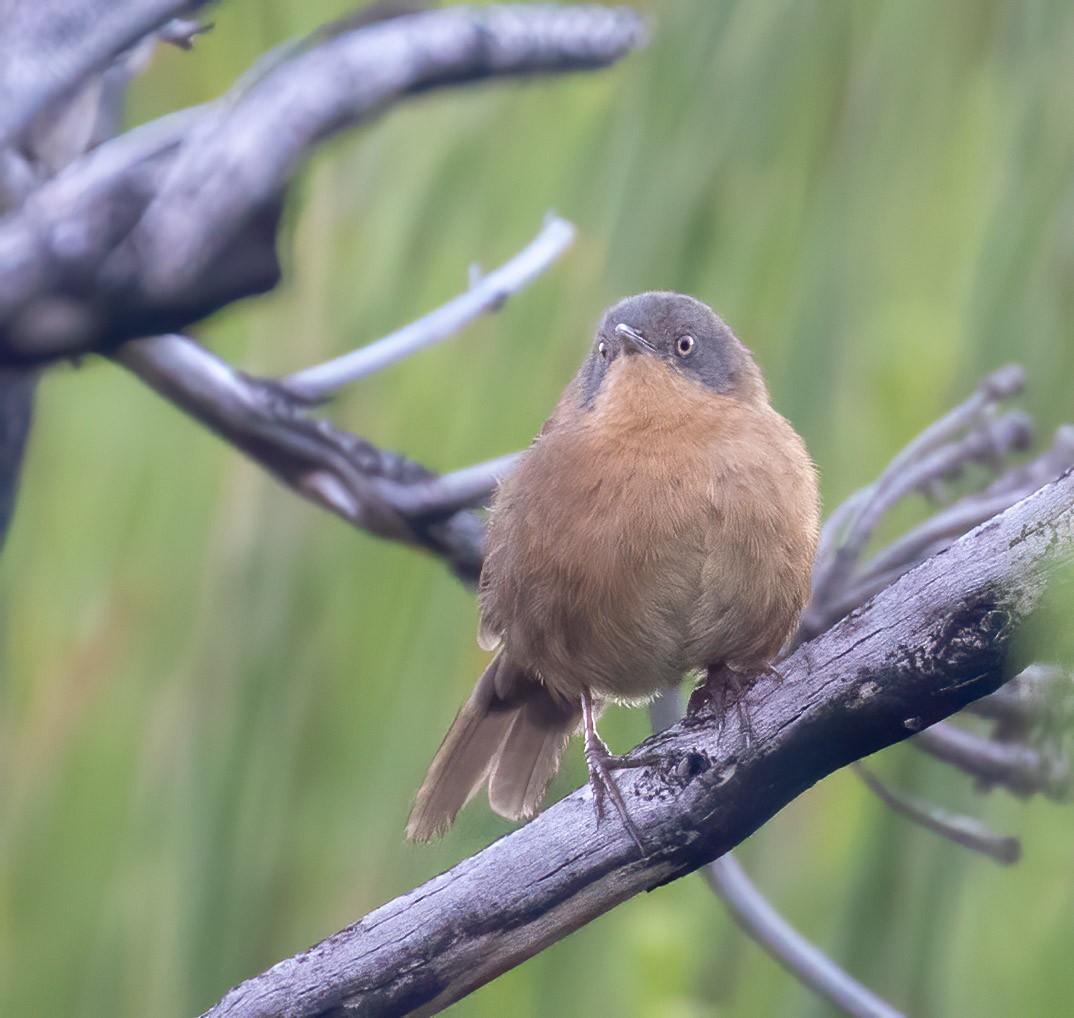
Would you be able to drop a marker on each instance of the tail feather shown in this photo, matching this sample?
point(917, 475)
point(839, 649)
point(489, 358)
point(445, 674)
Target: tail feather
point(511, 728)
point(529, 757)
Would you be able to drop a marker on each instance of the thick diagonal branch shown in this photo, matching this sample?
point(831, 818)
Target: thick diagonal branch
point(938, 639)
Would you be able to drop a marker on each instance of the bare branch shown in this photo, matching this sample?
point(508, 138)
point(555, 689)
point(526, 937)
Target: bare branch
point(758, 919)
point(850, 527)
point(962, 830)
point(50, 47)
point(989, 443)
point(240, 159)
point(841, 584)
point(1049, 464)
point(375, 490)
point(916, 545)
point(334, 469)
point(849, 693)
point(952, 522)
point(803, 960)
point(486, 294)
point(456, 490)
point(1020, 769)
point(47, 51)
point(181, 233)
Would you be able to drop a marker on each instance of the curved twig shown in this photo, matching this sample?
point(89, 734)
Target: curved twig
point(849, 528)
point(1020, 769)
point(803, 960)
point(374, 490)
point(966, 831)
point(486, 294)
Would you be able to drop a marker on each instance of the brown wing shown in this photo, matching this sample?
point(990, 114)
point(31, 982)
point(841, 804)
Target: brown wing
point(497, 555)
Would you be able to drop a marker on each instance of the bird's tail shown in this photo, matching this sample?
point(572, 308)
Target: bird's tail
point(511, 733)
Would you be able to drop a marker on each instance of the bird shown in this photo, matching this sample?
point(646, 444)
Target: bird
point(664, 520)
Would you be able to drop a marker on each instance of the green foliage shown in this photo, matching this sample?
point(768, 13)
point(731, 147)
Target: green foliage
point(216, 701)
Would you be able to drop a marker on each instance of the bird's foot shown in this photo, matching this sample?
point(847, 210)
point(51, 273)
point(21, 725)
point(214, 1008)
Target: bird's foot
point(721, 683)
point(601, 762)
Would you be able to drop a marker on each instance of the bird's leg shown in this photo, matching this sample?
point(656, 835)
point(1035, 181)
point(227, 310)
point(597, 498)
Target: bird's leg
point(742, 709)
point(601, 762)
point(721, 679)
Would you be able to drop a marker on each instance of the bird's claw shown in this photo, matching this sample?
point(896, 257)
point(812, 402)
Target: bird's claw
point(601, 762)
point(713, 692)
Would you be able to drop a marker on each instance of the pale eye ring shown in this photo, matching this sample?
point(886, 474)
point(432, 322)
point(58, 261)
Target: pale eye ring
point(684, 346)
point(602, 349)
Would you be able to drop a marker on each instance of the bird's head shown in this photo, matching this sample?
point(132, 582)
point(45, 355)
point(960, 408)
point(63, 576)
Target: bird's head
point(683, 334)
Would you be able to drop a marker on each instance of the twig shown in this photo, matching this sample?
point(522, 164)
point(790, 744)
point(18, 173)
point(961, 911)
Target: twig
point(1020, 769)
point(989, 443)
point(487, 294)
point(918, 544)
point(456, 490)
point(803, 960)
point(970, 511)
point(962, 830)
point(336, 470)
point(1057, 458)
point(960, 611)
point(374, 490)
point(181, 32)
point(857, 583)
point(848, 530)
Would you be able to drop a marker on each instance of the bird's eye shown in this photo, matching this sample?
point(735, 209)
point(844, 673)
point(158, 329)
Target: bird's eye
point(684, 346)
point(602, 349)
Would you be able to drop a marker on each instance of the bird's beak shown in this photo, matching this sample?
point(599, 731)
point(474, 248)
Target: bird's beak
point(636, 342)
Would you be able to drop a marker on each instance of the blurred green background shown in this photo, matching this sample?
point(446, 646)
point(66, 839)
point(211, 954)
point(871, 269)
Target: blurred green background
point(216, 701)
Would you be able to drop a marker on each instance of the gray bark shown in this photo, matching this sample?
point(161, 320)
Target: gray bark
point(171, 222)
point(16, 413)
point(50, 48)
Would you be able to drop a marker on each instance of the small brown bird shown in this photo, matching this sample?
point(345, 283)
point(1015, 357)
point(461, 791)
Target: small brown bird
point(665, 519)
